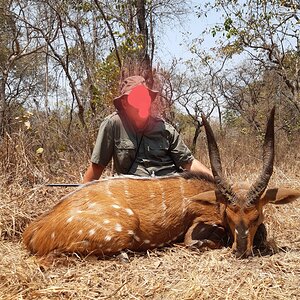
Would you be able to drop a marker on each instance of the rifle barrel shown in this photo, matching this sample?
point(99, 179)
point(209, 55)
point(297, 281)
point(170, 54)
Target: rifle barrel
point(64, 184)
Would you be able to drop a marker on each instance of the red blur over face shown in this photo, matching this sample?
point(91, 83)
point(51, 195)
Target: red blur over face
point(139, 98)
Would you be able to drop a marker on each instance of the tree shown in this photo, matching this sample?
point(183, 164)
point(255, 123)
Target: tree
point(267, 35)
point(186, 90)
point(249, 94)
point(92, 45)
point(19, 77)
point(133, 27)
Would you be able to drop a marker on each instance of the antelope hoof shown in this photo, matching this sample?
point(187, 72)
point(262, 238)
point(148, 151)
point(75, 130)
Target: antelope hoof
point(245, 254)
point(200, 244)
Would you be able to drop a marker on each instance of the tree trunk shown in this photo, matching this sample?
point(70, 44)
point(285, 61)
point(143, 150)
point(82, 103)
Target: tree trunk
point(3, 105)
point(143, 57)
point(196, 134)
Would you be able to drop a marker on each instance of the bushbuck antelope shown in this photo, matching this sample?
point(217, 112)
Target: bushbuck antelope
point(107, 216)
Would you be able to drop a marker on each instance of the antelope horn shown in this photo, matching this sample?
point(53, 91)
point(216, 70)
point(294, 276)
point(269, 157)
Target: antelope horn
point(261, 183)
point(215, 162)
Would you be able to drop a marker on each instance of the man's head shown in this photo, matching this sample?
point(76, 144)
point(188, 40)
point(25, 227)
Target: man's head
point(135, 99)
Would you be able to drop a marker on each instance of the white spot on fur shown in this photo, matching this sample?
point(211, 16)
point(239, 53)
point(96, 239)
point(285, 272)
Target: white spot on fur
point(52, 235)
point(70, 219)
point(92, 232)
point(152, 195)
point(80, 231)
point(108, 238)
point(118, 227)
point(137, 238)
point(107, 189)
point(78, 211)
point(163, 198)
point(85, 243)
point(129, 211)
point(108, 250)
point(117, 214)
point(106, 221)
point(184, 199)
point(130, 232)
point(126, 192)
point(116, 206)
point(146, 241)
point(153, 245)
point(91, 205)
point(236, 231)
point(182, 191)
point(246, 232)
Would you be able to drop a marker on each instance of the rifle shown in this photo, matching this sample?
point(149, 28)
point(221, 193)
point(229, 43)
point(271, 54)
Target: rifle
point(63, 184)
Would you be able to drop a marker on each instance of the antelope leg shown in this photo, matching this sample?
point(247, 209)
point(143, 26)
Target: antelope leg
point(201, 235)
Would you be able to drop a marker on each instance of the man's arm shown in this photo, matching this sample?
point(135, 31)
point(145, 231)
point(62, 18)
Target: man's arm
point(103, 151)
point(93, 172)
point(197, 166)
point(182, 156)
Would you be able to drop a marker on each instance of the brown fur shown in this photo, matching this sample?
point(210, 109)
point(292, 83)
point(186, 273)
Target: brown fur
point(109, 215)
point(161, 212)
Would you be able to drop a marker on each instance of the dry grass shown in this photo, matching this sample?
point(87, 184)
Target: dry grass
point(170, 273)
point(174, 273)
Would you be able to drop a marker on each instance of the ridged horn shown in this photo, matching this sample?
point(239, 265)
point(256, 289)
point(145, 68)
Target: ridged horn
point(257, 189)
point(216, 166)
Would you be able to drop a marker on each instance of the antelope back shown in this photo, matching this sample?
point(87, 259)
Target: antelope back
point(107, 216)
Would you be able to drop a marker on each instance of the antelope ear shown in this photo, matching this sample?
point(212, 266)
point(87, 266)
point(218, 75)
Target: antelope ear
point(279, 196)
point(210, 197)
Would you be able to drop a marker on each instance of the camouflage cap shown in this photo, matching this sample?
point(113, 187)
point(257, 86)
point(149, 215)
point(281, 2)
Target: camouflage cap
point(127, 86)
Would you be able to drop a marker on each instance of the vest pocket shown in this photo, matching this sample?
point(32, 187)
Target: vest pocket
point(125, 153)
point(158, 149)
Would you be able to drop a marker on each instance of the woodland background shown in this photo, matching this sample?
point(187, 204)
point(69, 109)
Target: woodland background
point(61, 64)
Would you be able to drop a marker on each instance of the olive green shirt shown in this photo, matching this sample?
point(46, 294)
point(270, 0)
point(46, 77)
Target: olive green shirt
point(156, 151)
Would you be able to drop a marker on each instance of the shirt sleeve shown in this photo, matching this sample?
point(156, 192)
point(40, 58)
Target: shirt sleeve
point(179, 152)
point(103, 150)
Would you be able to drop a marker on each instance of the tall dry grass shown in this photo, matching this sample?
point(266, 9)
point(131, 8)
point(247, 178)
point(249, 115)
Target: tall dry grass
point(171, 273)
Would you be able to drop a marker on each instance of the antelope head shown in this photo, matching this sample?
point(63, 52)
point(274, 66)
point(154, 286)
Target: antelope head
point(242, 209)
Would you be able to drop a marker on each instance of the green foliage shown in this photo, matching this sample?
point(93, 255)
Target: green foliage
point(107, 75)
point(183, 122)
point(267, 34)
point(228, 24)
point(255, 23)
point(232, 118)
point(228, 30)
point(85, 6)
point(231, 49)
point(132, 44)
point(108, 72)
